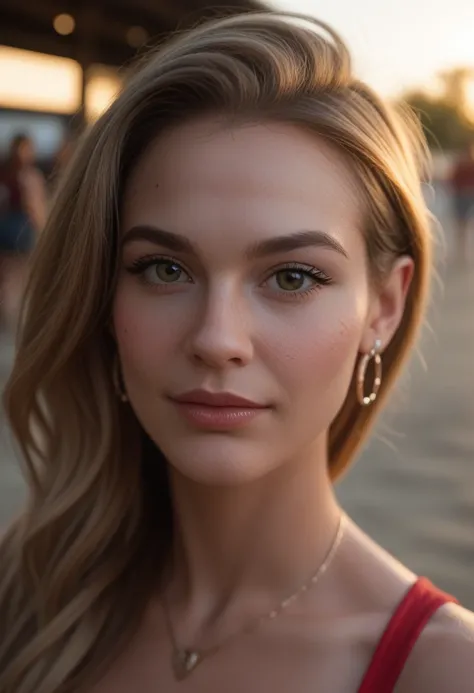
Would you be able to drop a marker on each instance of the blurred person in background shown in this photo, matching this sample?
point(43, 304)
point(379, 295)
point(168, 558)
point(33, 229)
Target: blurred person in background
point(235, 270)
point(23, 207)
point(462, 188)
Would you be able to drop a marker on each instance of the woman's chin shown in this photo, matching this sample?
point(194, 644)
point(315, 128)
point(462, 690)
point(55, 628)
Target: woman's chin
point(220, 461)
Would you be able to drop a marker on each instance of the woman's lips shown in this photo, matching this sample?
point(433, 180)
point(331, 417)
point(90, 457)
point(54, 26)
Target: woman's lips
point(217, 410)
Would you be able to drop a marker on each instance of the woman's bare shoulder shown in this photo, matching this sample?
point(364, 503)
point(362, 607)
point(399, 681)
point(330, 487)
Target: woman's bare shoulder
point(442, 661)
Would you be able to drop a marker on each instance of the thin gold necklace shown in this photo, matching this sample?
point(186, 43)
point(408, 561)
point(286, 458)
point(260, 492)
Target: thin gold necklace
point(185, 660)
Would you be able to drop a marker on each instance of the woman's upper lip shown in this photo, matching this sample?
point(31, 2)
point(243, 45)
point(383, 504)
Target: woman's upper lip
point(216, 399)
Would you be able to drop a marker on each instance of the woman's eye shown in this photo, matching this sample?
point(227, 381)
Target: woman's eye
point(292, 280)
point(296, 280)
point(165, 272)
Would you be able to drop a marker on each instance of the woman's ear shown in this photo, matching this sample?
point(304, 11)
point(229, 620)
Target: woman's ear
point(388, 305)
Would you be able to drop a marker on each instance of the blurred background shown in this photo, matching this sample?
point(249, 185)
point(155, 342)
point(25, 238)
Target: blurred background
point(62, 62)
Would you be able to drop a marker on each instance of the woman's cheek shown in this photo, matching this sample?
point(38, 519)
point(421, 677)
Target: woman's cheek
point(317, 347)
point(146, 326)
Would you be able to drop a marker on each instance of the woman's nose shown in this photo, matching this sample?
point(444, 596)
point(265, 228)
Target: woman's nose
point(221, 335)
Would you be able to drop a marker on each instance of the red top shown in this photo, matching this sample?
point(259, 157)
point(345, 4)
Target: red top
point(462, 178)
point(11, 198)
point(411, 616)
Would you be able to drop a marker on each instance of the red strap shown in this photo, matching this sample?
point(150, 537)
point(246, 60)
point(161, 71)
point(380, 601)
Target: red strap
point(417, 607)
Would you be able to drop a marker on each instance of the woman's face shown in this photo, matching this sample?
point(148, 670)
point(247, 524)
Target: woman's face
point(243, 274)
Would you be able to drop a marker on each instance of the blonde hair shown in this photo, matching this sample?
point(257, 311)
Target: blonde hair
point(76, 566)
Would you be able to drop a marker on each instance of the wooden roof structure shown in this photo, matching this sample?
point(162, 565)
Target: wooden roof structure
point(107, 32)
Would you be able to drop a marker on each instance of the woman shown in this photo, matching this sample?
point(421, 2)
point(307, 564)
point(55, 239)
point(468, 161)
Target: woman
point(462, 187)
point(237, 237)
point(22, 215)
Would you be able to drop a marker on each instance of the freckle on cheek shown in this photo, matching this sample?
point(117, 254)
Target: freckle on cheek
point(344, 328)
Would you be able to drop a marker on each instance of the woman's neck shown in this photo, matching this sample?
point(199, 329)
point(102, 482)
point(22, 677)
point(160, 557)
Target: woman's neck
point(264, 538)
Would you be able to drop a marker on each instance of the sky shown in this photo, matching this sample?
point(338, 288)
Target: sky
point(402, 43)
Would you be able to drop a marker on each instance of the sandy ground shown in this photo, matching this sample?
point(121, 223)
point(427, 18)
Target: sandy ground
point(413, 487)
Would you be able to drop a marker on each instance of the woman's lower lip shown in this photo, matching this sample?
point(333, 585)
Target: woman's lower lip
point(223, 418)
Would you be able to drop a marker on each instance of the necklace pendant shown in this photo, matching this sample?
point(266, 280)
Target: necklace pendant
point(184, 663)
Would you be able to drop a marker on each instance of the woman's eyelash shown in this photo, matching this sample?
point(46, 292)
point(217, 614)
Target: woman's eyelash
point(142, 263)
point(313, 272)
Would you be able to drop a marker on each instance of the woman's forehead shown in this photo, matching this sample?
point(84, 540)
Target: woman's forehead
point(251, 175)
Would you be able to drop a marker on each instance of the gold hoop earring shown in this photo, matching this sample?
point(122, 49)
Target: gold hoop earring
point(118, 381)
point(366, 400)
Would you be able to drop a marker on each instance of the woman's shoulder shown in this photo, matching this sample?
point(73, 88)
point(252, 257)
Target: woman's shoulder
point(442, 660)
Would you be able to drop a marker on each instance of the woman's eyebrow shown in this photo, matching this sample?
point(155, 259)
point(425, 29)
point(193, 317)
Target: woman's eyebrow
point(293, 241)
point(269, 246)
point(167, 239)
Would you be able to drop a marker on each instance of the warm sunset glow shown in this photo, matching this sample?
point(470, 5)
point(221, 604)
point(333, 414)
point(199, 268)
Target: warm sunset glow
point(103, 85)
point(37, 82)
point(470, 100)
